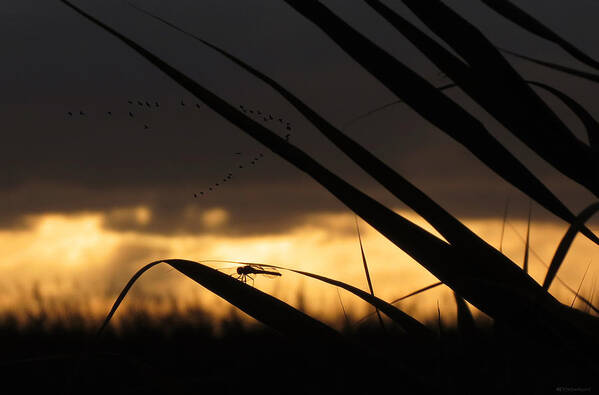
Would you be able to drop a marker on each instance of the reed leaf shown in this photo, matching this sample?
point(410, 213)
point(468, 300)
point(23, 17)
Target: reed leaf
point(436, 107)
point(370, 287)
point(590, 123)
point(504, 94)
point(566, 242)
point(526, 21)
point(263, 307)
point(466, 325)
point(402, 298)
point(404, 320)
point(580, 285)
point(527, 244)
point(568, 70)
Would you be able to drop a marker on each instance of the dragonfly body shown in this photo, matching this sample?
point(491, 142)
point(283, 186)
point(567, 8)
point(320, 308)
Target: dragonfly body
point(245, 272)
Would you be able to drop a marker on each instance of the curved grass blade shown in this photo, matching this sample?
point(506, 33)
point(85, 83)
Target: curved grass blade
point(521, 18)
point(404, 320)
point(263, 307)
point(367, 273)
point(566, 242)
point(565, 69)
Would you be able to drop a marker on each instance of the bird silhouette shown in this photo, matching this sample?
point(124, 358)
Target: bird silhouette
point(261, 154)
point(209, 188)
point(130, 114)
point(109, 113)
point(147, 104)
point(157, 105)
point(146, 127)
point(288, 128)
point(241, 167)
point(237, 153)
point(70, 114)
point(140, 103)
point(183, 104)
point(195, 195)
point(197, 105)
point(129, 101)
point(81, 113)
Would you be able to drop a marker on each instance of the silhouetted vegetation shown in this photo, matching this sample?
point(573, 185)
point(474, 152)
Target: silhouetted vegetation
point(535, 345)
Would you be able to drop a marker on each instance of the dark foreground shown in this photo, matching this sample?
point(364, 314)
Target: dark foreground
point(187, 355)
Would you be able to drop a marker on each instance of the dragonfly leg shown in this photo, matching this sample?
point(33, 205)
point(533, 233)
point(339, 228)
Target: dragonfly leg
point(251, 278)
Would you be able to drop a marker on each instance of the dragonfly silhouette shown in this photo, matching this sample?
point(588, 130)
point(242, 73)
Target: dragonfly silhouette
point(245, 272)
point(250, 270)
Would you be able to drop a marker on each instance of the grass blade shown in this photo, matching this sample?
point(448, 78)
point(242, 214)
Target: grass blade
point(507, 203)
point(443, 112)
point(521, 18)
point(557, 277)
point(568, 70)
point(404, 320)
point(580, 285)
point(263, 307)
point(527, 244)
point(590, 123)
point(566, 242)
point(502, 91)
point(367, 273)
point(402, 298)
point(466, 325)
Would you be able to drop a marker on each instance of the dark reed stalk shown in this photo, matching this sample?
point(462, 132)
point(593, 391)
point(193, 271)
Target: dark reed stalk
point(566, 242)
point(510, 11)
point(526, 115)
point(580, 285)
point(363, 319)
point(564, 69)
point(367, 272)
point(507, 203)
point(527, 244)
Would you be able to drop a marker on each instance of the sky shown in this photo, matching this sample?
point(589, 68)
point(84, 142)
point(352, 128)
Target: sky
point(120, 188)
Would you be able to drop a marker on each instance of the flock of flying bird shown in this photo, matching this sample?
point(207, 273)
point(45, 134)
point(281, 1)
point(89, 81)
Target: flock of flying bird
point(257, 114)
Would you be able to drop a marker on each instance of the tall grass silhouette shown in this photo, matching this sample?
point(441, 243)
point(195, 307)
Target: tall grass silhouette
point(530, 322)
